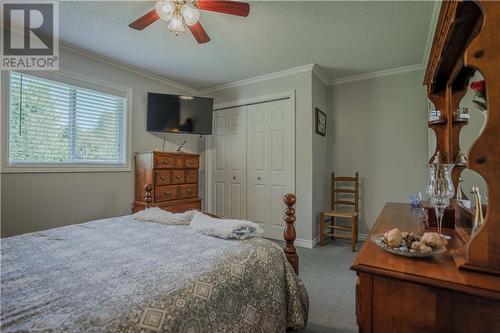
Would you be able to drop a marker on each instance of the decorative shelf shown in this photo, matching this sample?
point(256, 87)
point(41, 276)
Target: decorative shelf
point(460, 120)
point(441, 121)
point(466, 40)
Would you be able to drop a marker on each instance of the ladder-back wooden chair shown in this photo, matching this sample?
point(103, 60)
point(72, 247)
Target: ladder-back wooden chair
point(340, 198)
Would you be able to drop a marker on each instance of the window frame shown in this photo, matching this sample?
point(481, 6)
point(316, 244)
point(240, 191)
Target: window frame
point(74, 80)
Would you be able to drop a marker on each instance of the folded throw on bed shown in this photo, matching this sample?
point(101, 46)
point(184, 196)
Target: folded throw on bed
point(159, 215)
point(226, 229)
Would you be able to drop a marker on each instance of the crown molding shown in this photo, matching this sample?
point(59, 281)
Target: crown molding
point(313, 68)
point(124, 66)
point(366, 76)
point(430, 33)
point(260, 78)
point(321, 75)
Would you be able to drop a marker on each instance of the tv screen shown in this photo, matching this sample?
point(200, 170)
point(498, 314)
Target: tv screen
point(179, 114)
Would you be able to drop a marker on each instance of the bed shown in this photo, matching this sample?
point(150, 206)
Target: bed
point(124, 275)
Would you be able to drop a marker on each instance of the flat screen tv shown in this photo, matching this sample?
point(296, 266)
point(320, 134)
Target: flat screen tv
point(179, 114)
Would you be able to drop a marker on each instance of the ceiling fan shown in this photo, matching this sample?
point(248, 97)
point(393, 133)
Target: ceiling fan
point(178, 12)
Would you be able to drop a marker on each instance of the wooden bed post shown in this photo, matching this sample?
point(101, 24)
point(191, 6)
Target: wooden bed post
point(289, 234)
point(148, 189)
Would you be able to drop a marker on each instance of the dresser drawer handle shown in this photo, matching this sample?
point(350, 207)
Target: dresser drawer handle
point(177, 177)
point(191, 177)
point(164, 161)
point(167, 193)
point(163, 177)
point(190, 162)
point(189, 190)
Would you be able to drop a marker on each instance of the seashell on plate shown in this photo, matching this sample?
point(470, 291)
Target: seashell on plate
point(433, 239)
point(393, 238)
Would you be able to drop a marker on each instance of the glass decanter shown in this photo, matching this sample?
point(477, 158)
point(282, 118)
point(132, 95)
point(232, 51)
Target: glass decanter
point(441, 191)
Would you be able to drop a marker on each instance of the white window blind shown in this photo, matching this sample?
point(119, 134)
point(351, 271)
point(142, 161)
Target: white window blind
point(57, 123)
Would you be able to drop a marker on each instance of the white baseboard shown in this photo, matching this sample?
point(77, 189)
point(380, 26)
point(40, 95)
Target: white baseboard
point(362, 237)
point(309, 244)
point(306, 243)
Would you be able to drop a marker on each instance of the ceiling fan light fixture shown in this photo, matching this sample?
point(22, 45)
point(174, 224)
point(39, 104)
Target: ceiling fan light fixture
point(190, 13)
point(165, 10)
point(176, 24)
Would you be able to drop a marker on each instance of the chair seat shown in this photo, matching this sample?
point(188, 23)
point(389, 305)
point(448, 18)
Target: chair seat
point(340, 213)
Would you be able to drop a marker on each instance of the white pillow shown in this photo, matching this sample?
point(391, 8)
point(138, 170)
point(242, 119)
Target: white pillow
point(158, 215)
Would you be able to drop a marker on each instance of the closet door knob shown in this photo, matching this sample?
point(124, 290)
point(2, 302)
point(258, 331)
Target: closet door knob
point(234, 177)
point(258, 178)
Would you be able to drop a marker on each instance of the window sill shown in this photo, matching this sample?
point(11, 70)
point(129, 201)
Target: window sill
point(64, 169)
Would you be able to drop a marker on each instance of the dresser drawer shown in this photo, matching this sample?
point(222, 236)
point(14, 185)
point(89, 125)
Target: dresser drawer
point(191, 177)
point(178, 177)
point(187, 191)
point(165, 193)
point(166, 161)
point(191, 162)
point(181, 206)
point(163, 177)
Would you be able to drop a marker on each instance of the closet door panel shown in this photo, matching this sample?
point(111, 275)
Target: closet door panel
point(236, 178)
point(269, 163)
point(219, 164)
point(258, 205)
point(257, 166)
point(277, 209)
point(219, 153)
point(229, 164)
point(235, 202)
point(281, 148)
point(219, 198)
point(280, 167)
point(277, 151)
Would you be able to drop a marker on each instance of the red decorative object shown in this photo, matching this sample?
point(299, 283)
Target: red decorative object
point(479, 88)
point(478, 85)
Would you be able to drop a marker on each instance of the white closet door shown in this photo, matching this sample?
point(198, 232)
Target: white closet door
point(229, 164)
point(269, 164)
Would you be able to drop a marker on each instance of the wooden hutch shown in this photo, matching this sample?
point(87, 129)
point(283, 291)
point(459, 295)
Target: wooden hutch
point(458, 291)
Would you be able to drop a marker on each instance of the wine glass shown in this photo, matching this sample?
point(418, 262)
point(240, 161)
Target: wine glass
point(440, 189)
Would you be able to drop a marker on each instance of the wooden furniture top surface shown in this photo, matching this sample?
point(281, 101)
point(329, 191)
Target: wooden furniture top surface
point(176, 153)
point(439, 271)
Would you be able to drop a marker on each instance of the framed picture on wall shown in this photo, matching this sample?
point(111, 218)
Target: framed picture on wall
point(320, 122)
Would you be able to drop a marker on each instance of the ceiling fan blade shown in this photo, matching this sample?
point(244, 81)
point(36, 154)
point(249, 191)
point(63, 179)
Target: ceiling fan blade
point(226, 7)
point(145, 20)
point(199, 33)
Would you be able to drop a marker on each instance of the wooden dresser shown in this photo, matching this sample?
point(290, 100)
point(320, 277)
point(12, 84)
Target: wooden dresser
point(173, 177)
point(398, 294)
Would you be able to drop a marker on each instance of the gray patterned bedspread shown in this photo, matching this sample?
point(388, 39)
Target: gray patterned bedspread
point(122, 275)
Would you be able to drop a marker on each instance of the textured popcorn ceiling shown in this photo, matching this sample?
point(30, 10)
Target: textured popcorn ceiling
point(344, 38)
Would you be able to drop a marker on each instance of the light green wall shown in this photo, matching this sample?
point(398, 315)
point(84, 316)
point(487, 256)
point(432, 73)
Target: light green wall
point(321, 172)
point(37, 201)
point(378, 127)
